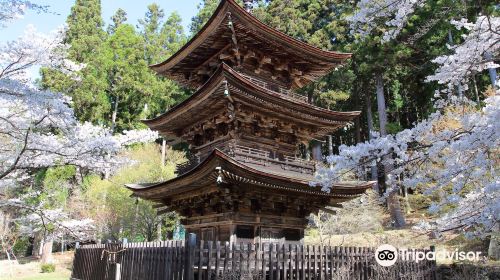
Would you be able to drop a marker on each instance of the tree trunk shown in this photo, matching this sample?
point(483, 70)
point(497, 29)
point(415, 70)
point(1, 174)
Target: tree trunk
point(476, 92)
point(163, 151)
point(136, 218)
point(357, 125)
point(393, 203)
point(394, 206)
point(316, 151)
point(494, 247)
point(113, 116)
point(158, 231)
point(450, 42)
point(382, 114)
point(369, 118)
point(47, 251)
point(37, 246)
point(492, 71)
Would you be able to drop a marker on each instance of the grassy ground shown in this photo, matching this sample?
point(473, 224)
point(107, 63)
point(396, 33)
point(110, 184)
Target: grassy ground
point(29, 269)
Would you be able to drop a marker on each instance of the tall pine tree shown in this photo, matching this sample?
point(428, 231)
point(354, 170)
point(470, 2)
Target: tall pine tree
point(85, 33)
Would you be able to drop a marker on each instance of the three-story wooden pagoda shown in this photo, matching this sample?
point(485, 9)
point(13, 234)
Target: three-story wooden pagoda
point(244, 125)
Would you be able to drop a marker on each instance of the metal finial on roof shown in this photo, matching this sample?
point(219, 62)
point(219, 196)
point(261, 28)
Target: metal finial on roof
point(248, 5)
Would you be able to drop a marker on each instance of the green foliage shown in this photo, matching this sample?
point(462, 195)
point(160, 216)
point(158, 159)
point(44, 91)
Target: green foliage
point(162, 38)
point(393, 127)
point(118, 19)
point(116, 80)
point(21, 246)
point(48, 268)
point(330, 98)
point(205, 10)
point(56, 184)
point(419, 201)
point(119, 215)
point(84, 34)
point(316, 22)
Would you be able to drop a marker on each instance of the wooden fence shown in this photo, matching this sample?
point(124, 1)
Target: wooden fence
point(173, 260)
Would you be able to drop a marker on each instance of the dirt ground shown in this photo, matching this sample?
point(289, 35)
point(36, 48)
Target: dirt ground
point(29, 268)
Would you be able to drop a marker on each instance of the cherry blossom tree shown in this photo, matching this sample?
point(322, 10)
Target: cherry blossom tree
point(38, 129)
point(472, 56)
point(448, 149)
point(391, 14)
point(51, 224)
point(14, 9)
point(36, 49)
point(452, 152)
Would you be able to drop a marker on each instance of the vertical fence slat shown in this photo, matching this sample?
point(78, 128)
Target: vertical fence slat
point(286, 258)
point(297, 247)
point(271, 264)
point(240, 258)
point(200, 260)
point(226, 258)
point(264, 263)
point(217, 260)
point(209, 260)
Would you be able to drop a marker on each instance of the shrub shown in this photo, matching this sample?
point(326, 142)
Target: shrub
point(21, 246)
point(48, 268)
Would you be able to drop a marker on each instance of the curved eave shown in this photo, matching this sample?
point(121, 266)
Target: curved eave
point(226, 72)
point(290, 101)
point(228, 164)
point(205, 89)
point(268, 32)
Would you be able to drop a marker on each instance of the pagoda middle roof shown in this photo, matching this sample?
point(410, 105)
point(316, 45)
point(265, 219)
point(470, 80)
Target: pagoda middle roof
point(231, 171)
point(210, 98)
point(249, 32)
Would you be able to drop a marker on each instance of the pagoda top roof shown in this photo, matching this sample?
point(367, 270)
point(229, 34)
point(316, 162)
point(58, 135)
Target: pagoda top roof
point(210, 98)
point(246, 32)
point(231, 171)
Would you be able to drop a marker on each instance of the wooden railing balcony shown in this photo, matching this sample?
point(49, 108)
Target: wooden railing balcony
point(275, 88)
point(260, 157)
point(265, 158)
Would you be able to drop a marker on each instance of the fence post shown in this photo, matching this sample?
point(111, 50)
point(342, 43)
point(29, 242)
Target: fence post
point(118, 272)
point(433, 263)
point(189, 263)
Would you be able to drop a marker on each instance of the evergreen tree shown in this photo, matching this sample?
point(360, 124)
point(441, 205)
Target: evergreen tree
point(150, 27)
point(162, 39)
point(84, 37)
point(205, 10)
point(116, 87)
point(118, 18)
point(85, 32)
point(121, 61)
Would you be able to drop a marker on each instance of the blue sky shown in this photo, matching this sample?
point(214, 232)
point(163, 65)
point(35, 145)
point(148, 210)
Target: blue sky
point(61, 8)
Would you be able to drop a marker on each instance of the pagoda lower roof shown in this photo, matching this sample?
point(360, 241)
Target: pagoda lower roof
point(249, 34)
point(234, 172)
point(210, 99)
